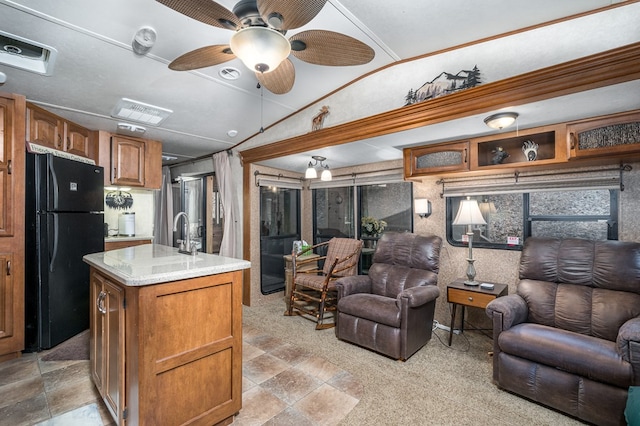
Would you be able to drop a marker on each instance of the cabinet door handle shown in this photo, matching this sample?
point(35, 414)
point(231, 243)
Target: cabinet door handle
point(465, 156)
point(9, 167)
point(8, 267)
point(100, 302)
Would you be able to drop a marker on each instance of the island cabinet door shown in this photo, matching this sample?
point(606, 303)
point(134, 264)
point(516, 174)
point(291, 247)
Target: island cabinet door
point(107, 342)
point(190, 351)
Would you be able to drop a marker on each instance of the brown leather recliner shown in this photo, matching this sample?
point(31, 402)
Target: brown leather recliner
point(570, 337)
point(391, 309)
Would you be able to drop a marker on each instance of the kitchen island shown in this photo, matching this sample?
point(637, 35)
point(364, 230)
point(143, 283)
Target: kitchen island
point(166, 335)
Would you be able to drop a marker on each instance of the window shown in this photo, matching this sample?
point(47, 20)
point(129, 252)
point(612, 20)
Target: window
point(511, 218)
point(333, 213)
point(391, 202)
point(338, 212)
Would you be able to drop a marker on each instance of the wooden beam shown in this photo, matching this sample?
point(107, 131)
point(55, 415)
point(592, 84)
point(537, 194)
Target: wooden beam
point(591, 72)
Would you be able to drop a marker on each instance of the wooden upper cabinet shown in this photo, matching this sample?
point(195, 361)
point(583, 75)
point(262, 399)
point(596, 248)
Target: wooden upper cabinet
point(44, 128)
point(127, 161)
point(47, 129)
point(439, 158)
point(77, 139)
point(613, 135)
point(541, 146)
point(525, 148)
point(130, 161)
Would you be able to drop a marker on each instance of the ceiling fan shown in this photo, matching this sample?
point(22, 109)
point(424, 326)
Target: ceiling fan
point(259, 39)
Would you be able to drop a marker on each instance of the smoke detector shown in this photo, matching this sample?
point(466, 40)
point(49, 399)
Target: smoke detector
point(25, 54)
point(140, 112)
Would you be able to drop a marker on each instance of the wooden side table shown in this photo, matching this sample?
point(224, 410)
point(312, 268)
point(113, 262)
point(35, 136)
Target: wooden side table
point(458, 293)
point(288, 272)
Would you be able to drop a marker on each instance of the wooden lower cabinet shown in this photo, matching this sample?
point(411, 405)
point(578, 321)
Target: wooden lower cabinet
point(115, 245)
point(169, 353)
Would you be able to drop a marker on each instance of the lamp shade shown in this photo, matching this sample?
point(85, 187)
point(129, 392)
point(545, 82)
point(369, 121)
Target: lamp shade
point(260, 48)
point(326, 174)
point(311, 172)
point(422, 207)
point(469, 213)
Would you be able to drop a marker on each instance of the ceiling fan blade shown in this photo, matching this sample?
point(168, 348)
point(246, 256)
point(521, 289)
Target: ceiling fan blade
point(203, 57)
point(289, 14)
point(280, 80)
point(322, 47)
point(206, 11)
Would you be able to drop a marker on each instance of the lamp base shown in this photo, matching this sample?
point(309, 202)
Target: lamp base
point(471, 283)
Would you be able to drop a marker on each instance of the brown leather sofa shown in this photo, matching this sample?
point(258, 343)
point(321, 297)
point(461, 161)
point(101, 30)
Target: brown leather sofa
point(391, 309)
point(570, 337)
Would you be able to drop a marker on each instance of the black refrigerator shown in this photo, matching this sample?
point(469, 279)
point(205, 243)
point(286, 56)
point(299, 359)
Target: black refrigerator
point(64, 221)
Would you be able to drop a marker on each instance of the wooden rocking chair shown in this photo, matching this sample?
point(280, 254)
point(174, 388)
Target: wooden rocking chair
point(313, 291)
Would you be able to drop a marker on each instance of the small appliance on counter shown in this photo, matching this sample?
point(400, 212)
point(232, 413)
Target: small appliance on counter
point(127, 224)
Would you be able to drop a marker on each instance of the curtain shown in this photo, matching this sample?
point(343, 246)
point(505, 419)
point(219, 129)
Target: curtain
point(232, 232)
point(163, 226)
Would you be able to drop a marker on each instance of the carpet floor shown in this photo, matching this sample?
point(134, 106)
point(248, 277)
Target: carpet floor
point(438, 385)
point(74, 349)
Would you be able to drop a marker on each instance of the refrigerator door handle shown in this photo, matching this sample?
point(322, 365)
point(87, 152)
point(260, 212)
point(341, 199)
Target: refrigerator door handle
point(54, 184)
point(53, 250)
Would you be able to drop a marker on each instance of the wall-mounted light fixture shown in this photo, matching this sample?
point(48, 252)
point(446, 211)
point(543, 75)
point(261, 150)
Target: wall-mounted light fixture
point(311, 172)
point(501, 120)
point(422, 207)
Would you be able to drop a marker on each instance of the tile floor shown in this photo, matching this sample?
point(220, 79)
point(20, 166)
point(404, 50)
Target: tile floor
point(282, 385)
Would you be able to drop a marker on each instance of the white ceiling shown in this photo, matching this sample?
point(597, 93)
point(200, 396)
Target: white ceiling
point(95, 67)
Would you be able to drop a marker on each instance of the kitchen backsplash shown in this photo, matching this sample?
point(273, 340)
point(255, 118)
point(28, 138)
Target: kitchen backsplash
point(141, 203)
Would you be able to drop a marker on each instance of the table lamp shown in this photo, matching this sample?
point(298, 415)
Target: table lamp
point(469, 214)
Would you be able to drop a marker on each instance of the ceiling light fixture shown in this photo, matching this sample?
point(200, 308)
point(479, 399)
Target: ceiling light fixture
point(311, 172)
point(501, 120)
point(143, 40)
point(131, 128)
point(261, 49)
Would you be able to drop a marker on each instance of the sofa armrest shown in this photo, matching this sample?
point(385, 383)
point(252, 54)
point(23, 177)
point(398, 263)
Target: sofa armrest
point(628, 345)
point(419, 295)
point(512, 308)
point(353, 284)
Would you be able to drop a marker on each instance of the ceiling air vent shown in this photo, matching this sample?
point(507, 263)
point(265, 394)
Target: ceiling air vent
point(139, 112)
point(25, 54)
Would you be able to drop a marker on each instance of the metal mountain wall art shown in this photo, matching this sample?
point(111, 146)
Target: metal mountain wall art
point(444, 84)
point(119, 200)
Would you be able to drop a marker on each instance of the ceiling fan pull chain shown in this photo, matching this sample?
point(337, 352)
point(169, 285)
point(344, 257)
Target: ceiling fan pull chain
point(261, 107)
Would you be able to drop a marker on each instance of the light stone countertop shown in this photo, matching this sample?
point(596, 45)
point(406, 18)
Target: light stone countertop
point(122, 238)
point(154, 264)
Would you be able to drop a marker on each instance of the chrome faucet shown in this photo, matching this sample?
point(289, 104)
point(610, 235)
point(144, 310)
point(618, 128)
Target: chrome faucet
point(186, 246)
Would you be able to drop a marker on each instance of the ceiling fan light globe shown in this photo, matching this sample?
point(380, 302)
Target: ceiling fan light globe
point(260, 48)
